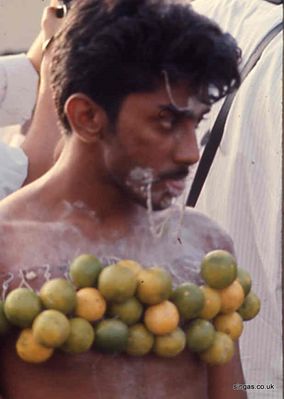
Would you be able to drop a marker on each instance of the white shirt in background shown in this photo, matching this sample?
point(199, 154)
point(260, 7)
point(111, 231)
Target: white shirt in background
point(243, 188)
point(18, 90)
point(13, 169)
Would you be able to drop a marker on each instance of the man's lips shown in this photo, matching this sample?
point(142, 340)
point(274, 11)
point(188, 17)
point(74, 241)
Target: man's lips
point(175, 182)
point(177, 175)
point(175, 186)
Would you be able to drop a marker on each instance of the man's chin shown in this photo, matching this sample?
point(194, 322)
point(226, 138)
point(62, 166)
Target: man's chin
point(157, 205)
point(165, 203)
point(158, 202)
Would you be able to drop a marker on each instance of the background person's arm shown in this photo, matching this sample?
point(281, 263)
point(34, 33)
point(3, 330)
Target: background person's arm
point(49, 25)
point(43, 134)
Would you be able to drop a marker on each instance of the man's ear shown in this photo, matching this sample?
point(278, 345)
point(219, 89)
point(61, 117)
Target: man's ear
point(87, 119)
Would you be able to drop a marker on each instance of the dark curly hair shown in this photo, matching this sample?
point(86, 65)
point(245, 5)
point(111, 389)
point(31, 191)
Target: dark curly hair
point(108, 49)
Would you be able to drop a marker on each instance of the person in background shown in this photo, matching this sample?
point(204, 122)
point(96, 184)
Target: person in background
point(18, 89)
point(243, 188)
point(25, 157)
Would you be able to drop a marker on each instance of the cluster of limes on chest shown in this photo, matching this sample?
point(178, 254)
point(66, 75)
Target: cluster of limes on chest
point(124, 307)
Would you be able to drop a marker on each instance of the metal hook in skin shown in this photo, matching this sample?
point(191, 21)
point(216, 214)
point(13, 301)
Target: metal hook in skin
point(168, 88)
point(191, 102)
point(47, 273)
point(65, 269)
point(5, 285)
point(213, 95)
point(109, 260)
point(24, 282)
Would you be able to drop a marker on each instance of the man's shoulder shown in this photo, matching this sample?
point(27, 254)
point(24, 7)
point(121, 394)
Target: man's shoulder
point(16, 206)
point(206, 230)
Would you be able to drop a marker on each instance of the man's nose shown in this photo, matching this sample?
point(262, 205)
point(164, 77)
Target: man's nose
point(186, 148)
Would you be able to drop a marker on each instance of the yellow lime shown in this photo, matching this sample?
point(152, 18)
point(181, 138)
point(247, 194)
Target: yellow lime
point(189, 299)
point(162, 318)
point(154, 285)
point(29, 350)
point(81, 336)
point(131, 264)
point(212, 303)
point(219, 269)
point(117, 283)
point(231, 324)
point(111, 336)
point(220, 352)
point(250, 306)
point(4, 324)
point(200, 335)
point(58, 294)
point(84, 270)
point(90, 304)
point(21, 306)
point(51, 328)
point(140, 340)
point(244, 279)
point(171, 344)
point(129, 311)
point(231, 297)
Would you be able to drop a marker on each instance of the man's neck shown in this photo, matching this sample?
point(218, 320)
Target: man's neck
point(77, 181)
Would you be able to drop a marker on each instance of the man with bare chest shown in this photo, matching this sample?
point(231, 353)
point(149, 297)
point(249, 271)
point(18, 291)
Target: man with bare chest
point(131, 81)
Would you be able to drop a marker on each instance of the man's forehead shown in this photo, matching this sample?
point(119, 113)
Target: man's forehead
point(194, 105)
point(191, 104)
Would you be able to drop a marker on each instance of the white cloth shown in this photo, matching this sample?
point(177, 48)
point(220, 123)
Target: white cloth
point(243, 188)
point(13, 169)
point(18, 90)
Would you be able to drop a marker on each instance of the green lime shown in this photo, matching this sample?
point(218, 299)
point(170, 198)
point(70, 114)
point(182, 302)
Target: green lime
point(51, 328)
point(4, 323)
point(219, 269)
point(189, 299)
point(58, 294)
point(212, 303)
point(154, 285)
point(84, 270)
point(81, 337)
point(117, 283)
point(250, 306)
point(140, 340)
point(200, 335)
point(129, 312)
point(245, 280)
point(170, 345)
point(21, 306)
point(111, 336)
point(220, 352)
point(131, 264)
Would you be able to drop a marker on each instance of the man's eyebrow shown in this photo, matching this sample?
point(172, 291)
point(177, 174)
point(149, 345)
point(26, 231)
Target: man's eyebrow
point(184, 112)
